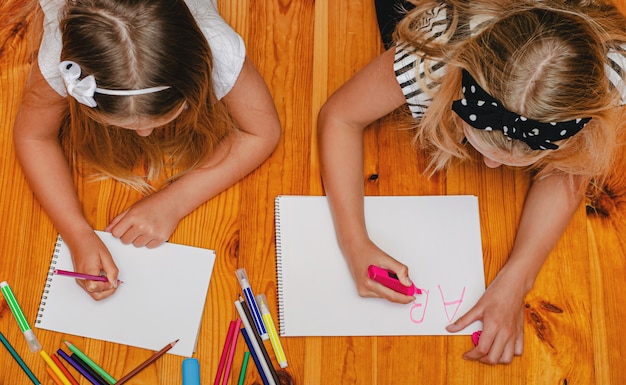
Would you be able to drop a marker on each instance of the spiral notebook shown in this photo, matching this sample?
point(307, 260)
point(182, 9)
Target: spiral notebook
point(437, 237)
point(161, 299)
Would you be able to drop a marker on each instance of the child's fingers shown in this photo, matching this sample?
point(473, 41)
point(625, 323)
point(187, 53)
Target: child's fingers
point(110, 270)
point(394, 296)
point(464, 321)
point(113, 227)
point(401, 271)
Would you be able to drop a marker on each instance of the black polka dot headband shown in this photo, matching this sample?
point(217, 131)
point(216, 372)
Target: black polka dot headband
point(481, 111)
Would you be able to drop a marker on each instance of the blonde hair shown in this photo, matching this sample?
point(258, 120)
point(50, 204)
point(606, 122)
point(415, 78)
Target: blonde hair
point(134, 45)
point(544, 60)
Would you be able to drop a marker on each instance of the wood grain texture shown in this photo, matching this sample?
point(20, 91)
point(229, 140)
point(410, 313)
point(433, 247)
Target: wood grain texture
point(305, 50)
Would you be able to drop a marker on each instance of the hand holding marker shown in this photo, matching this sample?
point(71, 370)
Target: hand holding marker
point(389, 279)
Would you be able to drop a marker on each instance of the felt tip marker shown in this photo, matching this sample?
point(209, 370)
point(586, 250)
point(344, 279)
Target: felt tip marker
point(389, 279)
point(31, 339)
point(250, 299)
point(476, 337)
point(271, 330)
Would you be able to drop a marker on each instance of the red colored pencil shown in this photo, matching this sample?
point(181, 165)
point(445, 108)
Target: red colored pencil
point(220, 367)
point(67, 373)
point(231, 353)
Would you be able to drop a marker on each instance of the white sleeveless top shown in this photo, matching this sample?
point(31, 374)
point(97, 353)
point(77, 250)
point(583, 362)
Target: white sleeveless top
point(227, 46)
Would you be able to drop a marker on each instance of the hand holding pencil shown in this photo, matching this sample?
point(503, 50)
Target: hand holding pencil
point(91, 256)
point(88, 277)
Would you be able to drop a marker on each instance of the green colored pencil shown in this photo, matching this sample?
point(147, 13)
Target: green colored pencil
point(244, 366)
point(90, 362)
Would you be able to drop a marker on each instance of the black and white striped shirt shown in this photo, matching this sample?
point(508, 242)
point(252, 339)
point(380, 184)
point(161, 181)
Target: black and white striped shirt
point(410, 66)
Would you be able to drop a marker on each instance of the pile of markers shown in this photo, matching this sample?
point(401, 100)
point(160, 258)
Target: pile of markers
point(257, 327)
point(76, 359)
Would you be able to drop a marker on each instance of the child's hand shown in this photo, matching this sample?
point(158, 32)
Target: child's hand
point(91, 256)
point(369, 254)
point(149, 222)
point(500, 310)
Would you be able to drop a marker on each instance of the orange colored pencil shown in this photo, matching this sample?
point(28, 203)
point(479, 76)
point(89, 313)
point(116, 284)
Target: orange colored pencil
point(147, 362)
point(54, 377)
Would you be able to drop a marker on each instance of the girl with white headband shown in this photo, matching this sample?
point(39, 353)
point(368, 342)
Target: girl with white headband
point(157, 85)
point(538, 85)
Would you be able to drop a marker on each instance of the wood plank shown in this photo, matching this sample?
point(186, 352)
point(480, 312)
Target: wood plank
point(305, 50)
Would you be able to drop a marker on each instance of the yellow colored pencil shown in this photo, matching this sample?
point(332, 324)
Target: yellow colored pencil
point(54, 368)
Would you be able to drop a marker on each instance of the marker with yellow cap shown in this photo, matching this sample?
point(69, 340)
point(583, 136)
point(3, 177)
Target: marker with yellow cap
point(271, 330)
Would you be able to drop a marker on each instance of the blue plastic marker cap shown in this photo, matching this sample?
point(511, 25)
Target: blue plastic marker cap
point(191, 371)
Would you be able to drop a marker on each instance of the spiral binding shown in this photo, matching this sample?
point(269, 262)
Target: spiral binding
point(279, 268)
point(46, 289)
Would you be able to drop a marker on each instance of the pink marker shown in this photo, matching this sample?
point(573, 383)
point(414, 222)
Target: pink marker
point(476, 337)
point(389, 279)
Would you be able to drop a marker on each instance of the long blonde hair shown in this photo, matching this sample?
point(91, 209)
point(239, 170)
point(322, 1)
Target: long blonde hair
point(544, 60)
point(134, 45)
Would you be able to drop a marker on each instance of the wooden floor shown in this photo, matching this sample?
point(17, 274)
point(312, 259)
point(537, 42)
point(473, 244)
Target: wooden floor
point(305, 49)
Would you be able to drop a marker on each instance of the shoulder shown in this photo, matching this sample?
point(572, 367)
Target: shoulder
point(227, 47)
point(49, 55)
point(616, 70)
point(410, 65)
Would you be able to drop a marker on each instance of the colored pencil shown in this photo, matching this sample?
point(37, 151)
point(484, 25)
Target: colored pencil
point(19, 360)
point(147, 362)
point(84, 372)
point(90, 362)
point(255, 356)
point(220, 366)
point(244, 367)
point(88, 277)
point(55, 368)
point(66, 372)
point(256, 335)
point(54, 377)
point(231, 352)
point(99, 380)
point(249, 326)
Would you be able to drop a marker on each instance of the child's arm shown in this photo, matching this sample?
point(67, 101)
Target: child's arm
point(48, 174)
point(152, 220)
point(371, 94)
point(554, 198)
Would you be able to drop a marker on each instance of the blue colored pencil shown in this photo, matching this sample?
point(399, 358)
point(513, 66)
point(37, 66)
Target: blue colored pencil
point(257, 363)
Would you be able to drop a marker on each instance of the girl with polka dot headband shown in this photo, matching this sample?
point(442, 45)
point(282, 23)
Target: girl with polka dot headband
point(532, 84)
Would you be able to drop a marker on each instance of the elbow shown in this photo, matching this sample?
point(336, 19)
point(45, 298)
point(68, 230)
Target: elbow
point(270, 139)
point(323, 121)
point(274, 136)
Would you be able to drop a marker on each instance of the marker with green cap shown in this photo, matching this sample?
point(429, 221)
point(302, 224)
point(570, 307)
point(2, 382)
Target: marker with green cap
point(33, 342)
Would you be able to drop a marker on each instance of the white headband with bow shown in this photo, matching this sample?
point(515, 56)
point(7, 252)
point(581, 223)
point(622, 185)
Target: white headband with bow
point(83, 90)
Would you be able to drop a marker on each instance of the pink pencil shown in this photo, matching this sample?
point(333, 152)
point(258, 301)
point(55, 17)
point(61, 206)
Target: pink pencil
point(220, 367)
point(100, 278)
point(231, 353)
